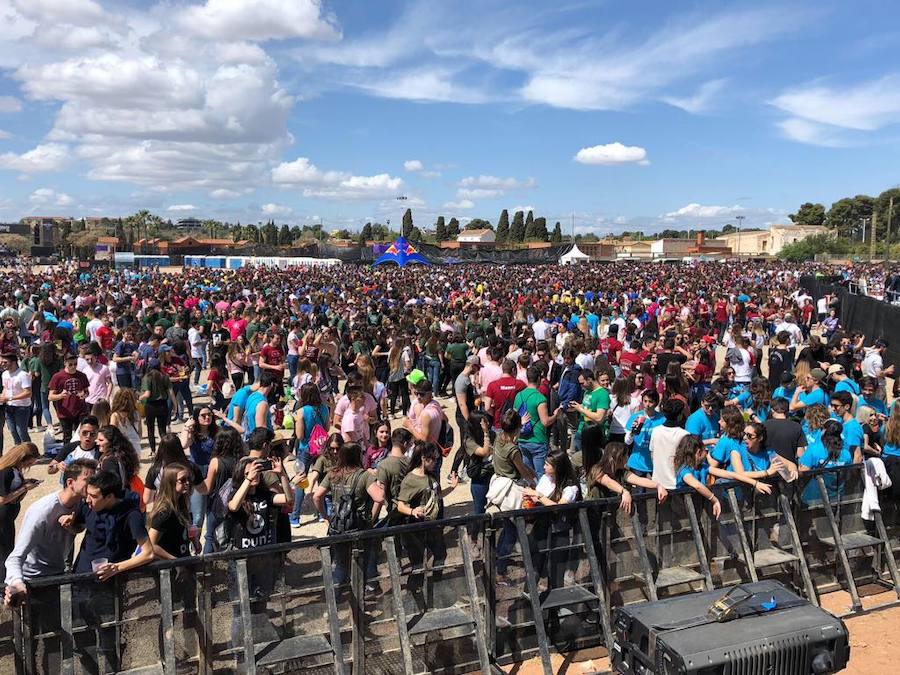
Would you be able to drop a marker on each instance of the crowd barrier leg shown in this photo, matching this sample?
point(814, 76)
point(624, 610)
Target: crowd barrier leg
point(698, 543)
point(67, 639)
point(791, 523)
point(204, 619)
point(532, 584)
point(600, 587)
point(357, 610)
point(477, 617)
point(246, 618)
point(836, 541)
point(742, 535)
point(489, 560)
point(334, 626)
point(888, 551)
point(166, 623)
point(641, 544)
point(399, 610)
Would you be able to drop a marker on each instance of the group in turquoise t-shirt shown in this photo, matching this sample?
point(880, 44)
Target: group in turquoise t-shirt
point(239, 400)
point(702, 425)
point(815, 397)
point(700, 474)
point(722, 450)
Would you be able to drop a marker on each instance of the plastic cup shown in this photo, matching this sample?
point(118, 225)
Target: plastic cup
point(193, 533)
point(98, 564)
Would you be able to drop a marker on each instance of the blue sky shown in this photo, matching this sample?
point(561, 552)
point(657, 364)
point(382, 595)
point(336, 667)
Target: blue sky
point(628, 115)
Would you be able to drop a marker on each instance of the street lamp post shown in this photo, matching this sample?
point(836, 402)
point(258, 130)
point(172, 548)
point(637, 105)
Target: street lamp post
point(740, 220)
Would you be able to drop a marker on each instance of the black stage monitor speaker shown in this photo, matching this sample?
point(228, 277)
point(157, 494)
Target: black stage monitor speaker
point(760, 628)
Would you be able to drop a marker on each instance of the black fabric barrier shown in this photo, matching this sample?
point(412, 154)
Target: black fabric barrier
point(861, 314)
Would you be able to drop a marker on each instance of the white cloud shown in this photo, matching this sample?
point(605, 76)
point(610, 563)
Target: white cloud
point(695, 210)
point(829, 115)
point(4, 134)
point(413, 165)
point(333, 184)
point(260, 20)
point(494, 182)
point(425, 85)
point(461, 205)
point(49, 197)
point(524, 209)
point(612, 153)
point(478, 193)
point(271, 209)
point(431, 174)
point(701, 101)
point(225, 193)
point(182, 207)
point(45, 157)
point(10, 104)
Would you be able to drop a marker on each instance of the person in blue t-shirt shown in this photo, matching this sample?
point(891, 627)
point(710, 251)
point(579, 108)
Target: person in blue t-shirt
point(810, 393)
point(704, 421)
point(691, 470)
point(257, 413)
point(842, 381)
point(731, 423)
point(827, 452)
point(638, 430)
point(238, 404)
point(868, 397)
point(753, 459)
point(852, 434)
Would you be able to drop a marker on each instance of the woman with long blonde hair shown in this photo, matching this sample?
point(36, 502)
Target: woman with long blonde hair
point(14, 463)
point(366, 368)
point(170, 524)
point(126, 418)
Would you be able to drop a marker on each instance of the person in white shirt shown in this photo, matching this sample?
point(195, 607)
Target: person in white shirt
point(792, 329)
point(585, 359)
point(197, 342)
point(664, 441)
point(16, 396)
point(873, 366)
point(93, 325)
point(540, 328)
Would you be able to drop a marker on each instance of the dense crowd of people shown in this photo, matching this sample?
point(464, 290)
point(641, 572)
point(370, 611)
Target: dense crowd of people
point(329, 393)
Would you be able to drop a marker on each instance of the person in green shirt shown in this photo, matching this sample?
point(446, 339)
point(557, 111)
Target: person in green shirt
point(80, 322)
point(536, 419)
point(455, 356)
point(594, 408)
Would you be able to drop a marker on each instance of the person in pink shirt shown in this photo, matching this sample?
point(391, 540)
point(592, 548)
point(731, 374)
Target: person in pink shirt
point(355, 420)
point(236, 325)
point(490, 368)
point(99, 378)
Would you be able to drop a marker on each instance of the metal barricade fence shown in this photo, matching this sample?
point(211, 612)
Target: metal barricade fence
point(422, 598)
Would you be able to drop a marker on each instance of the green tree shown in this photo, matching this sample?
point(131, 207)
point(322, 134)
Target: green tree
point(366, 233)
point(556, 237)
point(341, 234)
point(453, 228)
point(479, 224)
point(407, 223)
point(237, 233)
point(517, 229)
point(252, 234)
point(18, 243)
point(295, 233)
point(806, 249)
point(540, 229)
point(415, 234)
point(440, 229)
point(270, 234)
point(284, 236)
point(845, 217)
point(885, 214)
point(809, 214)
point(530, 232)
point(503, 226)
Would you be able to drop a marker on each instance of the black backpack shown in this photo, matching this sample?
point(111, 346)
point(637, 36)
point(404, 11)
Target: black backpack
point(350, 514)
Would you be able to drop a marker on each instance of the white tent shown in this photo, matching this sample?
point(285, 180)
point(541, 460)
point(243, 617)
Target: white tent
point(573, 255)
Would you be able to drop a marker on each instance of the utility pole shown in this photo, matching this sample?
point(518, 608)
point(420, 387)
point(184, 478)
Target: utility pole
point(872, 236)
point(887, 237)
point(573, 227)
point(740, 220)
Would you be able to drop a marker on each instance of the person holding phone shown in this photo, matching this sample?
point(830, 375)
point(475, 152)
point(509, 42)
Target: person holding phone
point(13, 487)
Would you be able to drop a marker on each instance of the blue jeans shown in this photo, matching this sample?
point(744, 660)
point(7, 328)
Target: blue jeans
point(124, 380)
point(479, 495)
point(17, 420)
point(293, 361)
point(183, 397)
point(433, 373)
point(45, 402)
point(505, 545)
point(198, 502)
point(534, 455)
point(199, 364)
point(209, 537)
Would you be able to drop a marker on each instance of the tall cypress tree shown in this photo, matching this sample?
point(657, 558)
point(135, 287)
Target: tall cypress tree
point(530, 232)
point(503, 226)
point(453, 228)
point(407, 223)
point(517, 229)
point(540, 229)
point(556, 237)
point(440, 229)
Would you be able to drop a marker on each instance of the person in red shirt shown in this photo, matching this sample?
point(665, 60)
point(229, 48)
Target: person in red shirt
point(720, 313)
point(631, 359)
point(502, 390)
point(610, 346)
point(271, 358)
point(68, 389)
point(106, 335)
point(236, 325)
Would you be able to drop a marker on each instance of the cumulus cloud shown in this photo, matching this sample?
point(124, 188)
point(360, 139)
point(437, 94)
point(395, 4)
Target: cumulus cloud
point(260, 20)
point(49, 197)
point(478, 193)
point(496, 183)
point(271, 209)
point(413, 165)
point(461, 205)
point(612, 153)
point(225, 193)
point(10, 104)
point(45, 157)
point(301, 173)
point(694, 210)
point(181, 207)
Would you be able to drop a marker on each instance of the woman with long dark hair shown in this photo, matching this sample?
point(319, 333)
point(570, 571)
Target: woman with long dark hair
point(227, 451)
point(13, 487)
point(170, 526)
point(313, 413)
point(170, 451)
point(156, 394)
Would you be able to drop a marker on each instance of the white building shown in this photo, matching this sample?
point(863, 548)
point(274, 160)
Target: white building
point(477, 237)
point(768, 242)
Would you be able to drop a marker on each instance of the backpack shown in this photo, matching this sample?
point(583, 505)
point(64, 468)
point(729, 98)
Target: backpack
point(445, 435)
point(527, 424)
point(219, 507)
point(318, 437)
point(349, 516)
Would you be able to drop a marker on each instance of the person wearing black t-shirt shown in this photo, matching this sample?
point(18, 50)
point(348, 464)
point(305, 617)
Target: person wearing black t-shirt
point(784, 435)
point(170, 524)
point(781, 359)
point(113, 531)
